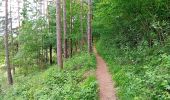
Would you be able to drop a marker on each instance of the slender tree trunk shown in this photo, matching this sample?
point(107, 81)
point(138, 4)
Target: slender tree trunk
point(12, 44)
point(65, 29)
point(51, 58)
point(50, 49)
point(89, 31)
point(18, 25)
point(71, 24)
point(58, 33)
point(81, 23)
point(42, 36)
point(10, 79)
point(18, 43)
point(46, 55)
point(70, 42)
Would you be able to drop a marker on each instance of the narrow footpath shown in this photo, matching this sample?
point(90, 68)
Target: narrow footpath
point(106, 86)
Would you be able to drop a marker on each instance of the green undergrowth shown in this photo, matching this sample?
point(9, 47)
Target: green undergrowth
point(140, 74)
point(56, 84)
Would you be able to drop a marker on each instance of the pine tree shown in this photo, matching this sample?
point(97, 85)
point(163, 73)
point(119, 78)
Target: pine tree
point(58, 34)
point(89, 22)
point(9, 75)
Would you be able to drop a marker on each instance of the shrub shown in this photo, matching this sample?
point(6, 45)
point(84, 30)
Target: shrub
point(142, 73)
point(52, 84)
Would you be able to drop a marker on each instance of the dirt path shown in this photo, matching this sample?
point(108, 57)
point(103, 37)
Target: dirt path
point(106, 86)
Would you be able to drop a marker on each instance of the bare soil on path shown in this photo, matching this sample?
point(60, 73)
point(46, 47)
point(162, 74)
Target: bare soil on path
point(106, 86)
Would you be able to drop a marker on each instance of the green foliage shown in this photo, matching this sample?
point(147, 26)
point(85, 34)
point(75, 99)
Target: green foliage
point(134, 40)
point(89, 86)
point(80, 61)
point(142, 73)
point(55, 84)
point(1, 51)
point(31, 43)
point(133, 22)
point(38, 35)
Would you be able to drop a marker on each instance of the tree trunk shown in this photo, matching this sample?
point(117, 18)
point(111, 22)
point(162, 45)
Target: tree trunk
point(89, 31)
point(71, 24)
point(65, 29)
point(51, 58)
point(58, 34)
point(18, 43)
point(10, 79)
point(46, 55)
point(81, 23)
point(12, 44)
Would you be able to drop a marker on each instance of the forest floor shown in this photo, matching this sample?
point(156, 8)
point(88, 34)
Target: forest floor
point(106, 86)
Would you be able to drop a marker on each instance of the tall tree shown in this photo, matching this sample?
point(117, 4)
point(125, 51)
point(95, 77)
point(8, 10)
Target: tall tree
point(89, 30)
point(65, 28)
point(12, 42)
point(10, 79)
point(50, 45)
point(81, 22)
point(58, 34)
point(71, 26)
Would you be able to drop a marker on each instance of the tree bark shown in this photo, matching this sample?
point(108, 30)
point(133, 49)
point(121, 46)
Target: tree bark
point(12, 42)
point(71, 24)
point(46, 55)
point(81, 23)
point(58, 34)
point(9, 75)
point(51, 58)
point(89, 31)
point(65, 29)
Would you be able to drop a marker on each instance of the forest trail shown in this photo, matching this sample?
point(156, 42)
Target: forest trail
point(106, 86)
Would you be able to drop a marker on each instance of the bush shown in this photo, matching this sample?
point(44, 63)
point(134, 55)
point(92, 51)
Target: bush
point(141, 74)
point(67, 84)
